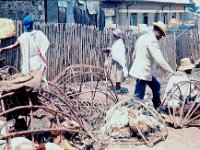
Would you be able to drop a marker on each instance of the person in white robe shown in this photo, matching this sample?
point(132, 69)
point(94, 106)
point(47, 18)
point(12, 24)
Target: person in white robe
point(116, 64)
point(34, 45)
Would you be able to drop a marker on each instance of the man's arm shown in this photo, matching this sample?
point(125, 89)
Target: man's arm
point(155, 51)
point(16, 44)
point(169, 86)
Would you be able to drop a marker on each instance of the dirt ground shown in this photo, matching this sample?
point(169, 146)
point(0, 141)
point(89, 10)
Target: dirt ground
point(178, 139)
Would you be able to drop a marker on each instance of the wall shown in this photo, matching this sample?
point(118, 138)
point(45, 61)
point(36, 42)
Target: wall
point(18, 9)
point(155, 8)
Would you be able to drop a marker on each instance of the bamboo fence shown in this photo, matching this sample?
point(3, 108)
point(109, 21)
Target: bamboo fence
point(187, 44)
point(79, 44)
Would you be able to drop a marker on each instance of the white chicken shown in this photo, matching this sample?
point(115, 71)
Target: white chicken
point(22, 143)
point(174, 104)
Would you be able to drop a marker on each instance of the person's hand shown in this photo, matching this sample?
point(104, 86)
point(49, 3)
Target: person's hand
point(1, 49)
point(177, 73)
point(106, 50)
point(171, 74)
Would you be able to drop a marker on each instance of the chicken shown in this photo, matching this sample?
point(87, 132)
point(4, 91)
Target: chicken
point(61, 141)
point(70, 124)
point(118, 118)
point(55, 126)
point(143, 122)
point(20, 143)
point(48, 146)
point(174, 104)
point(5, 127)
point(52, 146)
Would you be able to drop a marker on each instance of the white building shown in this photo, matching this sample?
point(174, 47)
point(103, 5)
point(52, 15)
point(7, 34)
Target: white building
point(134, 12)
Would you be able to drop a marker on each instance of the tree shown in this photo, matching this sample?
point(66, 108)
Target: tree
point(192, 6)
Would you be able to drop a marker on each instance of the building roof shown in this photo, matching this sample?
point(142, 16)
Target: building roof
point(157, 1)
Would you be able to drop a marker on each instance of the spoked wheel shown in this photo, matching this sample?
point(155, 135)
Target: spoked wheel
point(88, 89)
point(141, 124)
point(69, 107)
point(183, 104)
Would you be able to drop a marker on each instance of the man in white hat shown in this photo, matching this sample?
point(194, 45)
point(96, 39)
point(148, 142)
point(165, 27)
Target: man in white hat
point(147, 51)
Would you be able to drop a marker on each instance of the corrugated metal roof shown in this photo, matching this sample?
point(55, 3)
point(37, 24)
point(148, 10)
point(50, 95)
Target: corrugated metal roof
point(158, 1)
point(169, 1)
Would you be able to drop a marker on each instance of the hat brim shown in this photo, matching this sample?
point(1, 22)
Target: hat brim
point(117, 35)
point(157, 25)
point(183, 68)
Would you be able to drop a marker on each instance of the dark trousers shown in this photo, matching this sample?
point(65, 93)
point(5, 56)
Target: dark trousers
point(140, 88)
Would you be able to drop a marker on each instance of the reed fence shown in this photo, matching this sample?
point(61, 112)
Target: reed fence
point(79, 44)
point(188, 45)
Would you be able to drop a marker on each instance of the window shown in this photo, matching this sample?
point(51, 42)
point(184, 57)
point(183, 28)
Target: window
point(174, 15)
point(62, 15)
point(165, 18)
point(145, 18)
point(156, 17)
point(133, 20)
point(182, 16)
point(109, 19)
point(62, 9)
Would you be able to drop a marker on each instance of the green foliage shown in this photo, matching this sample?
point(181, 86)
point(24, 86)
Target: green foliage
point(192, 6)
